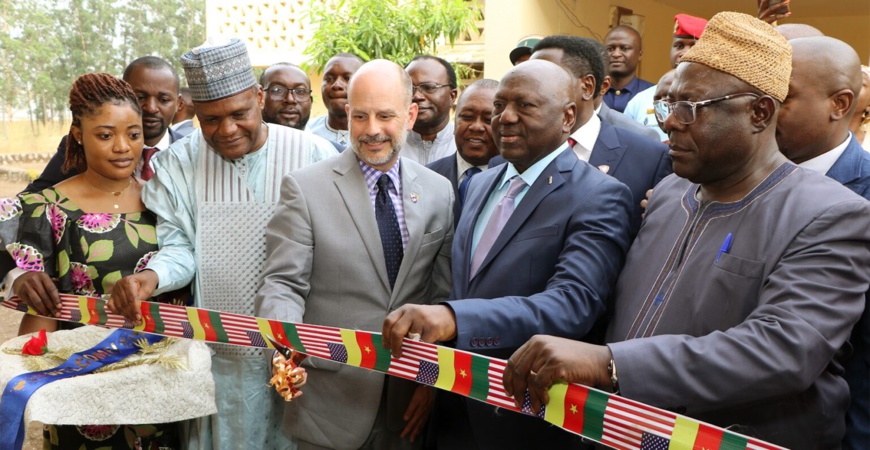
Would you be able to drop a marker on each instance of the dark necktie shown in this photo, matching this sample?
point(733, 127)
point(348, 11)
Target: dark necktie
point(388, 225)
point(147, 153)
point(463, 187)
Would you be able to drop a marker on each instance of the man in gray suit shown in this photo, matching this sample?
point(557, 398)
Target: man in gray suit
point(739, 294)
point(352, 239)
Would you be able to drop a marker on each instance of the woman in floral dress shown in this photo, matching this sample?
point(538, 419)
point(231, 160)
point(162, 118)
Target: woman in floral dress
point(86, 233)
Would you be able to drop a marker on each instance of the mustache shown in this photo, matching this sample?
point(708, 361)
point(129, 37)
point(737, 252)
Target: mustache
point(375, 139)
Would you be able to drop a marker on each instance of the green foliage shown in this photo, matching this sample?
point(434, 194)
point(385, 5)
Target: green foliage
point(46, 44)
point(388, 29)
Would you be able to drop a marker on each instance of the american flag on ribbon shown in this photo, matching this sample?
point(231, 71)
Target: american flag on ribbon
point(626, 421)
point(649, 441)
point(187, 330)
point(337, 352)
point(428, 373)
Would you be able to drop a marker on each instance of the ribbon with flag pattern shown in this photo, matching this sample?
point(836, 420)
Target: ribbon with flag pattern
point(612, 420)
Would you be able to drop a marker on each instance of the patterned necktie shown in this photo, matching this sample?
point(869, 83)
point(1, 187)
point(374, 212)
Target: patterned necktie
point(147, 153)
point(579, 150)
point(388, 225)
point(499, 218)
point(463, 187)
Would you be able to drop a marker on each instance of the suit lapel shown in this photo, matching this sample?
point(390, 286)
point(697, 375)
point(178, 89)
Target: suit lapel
point(847, 167)
point(354, 191)
point(537, 192)
point(607, 151)
point(465, 230)
point(413, 204)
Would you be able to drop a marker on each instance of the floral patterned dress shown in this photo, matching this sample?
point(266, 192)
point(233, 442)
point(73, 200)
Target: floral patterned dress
point(86, 254)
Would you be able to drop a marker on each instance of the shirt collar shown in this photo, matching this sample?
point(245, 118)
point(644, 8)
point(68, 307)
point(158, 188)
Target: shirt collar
point(587, 134)
point(823, 163)
point(164, 142)
point(372, 175)
point(534, 171)
point(463, 165)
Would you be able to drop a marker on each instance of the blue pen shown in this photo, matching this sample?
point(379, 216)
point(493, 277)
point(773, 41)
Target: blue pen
point(726, 246)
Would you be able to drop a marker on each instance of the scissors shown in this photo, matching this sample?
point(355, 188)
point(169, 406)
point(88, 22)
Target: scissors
point(288, 353)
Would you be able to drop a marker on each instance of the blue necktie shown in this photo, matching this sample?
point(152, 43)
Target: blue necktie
point(388, 225)
point(463, 187)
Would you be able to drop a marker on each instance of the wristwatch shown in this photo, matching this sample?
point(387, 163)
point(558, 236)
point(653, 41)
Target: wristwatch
point(614, 380)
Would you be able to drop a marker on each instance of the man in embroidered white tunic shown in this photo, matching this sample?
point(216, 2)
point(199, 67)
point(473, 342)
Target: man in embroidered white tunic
point(213, 194)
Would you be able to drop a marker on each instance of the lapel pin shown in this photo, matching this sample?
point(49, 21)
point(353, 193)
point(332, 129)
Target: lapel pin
point(414, 197)
point(550, 179)
point(604, 168)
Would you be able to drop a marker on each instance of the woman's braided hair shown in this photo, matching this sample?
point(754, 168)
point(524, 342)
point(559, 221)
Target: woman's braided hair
point(88, 94)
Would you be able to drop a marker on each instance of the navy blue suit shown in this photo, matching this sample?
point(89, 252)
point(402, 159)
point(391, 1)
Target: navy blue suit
point(550, 271)
point(446, 166)
point(635, 160)
point(852, 169)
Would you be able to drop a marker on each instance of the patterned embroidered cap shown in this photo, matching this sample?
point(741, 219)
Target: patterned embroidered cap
point(218, 69)
point(747, 48)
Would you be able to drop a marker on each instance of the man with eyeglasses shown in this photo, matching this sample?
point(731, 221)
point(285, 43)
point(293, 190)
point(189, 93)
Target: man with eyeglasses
point(434, 84)
point(625, 47)
point(738, 295)
point(287, 97)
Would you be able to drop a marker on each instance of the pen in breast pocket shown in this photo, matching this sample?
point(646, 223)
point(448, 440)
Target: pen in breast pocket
point(726, 246)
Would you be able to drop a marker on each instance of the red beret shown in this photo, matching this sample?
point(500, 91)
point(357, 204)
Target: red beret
point(686, 26)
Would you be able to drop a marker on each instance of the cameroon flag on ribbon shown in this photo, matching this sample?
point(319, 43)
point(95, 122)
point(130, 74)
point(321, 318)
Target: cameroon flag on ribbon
point(284, 333)
point(576, 408)
point(692, 435)
point(151, 320)
point(463, 373)
point(93, 312)
point(366, 350)
point(207, 325)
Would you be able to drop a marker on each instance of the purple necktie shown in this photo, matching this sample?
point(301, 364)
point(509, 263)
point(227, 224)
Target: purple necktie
point(500, 216)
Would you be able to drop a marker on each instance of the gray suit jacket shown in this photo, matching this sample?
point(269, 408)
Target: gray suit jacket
point(325, 265)
point(620, 120)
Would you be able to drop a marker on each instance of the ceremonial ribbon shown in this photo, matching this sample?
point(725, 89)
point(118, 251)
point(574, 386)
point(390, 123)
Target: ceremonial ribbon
point(117, 346)
point(606, 418)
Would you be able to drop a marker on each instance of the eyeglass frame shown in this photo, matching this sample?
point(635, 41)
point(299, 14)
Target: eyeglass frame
point(428, 88)
point(294, 91)
point(671, 106)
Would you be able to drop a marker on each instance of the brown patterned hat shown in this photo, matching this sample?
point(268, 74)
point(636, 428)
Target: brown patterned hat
point(218, 69)
point(747, 48)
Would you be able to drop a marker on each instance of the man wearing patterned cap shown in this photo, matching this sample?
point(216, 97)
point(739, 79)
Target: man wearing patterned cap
point(739, 293)
point(213, 194)
point(687, 31)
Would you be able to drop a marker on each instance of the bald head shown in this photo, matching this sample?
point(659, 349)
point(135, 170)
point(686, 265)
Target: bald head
point(533, 112)
point(825, 80)
point(390, 75)
point(798, 30)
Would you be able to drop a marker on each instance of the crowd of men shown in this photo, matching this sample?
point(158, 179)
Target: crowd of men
point(722, 275)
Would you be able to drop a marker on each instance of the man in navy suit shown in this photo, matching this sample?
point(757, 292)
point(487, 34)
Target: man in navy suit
point(547, 268)
point(637, 161)
point(473, 135)
point(812, 130)
point(156, 84)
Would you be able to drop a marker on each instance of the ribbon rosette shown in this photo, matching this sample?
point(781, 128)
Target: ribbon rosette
point(37, 345)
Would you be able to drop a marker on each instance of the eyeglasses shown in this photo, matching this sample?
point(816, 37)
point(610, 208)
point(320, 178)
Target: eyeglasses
point(684, 111)
point(427, 88)
point(280, 93)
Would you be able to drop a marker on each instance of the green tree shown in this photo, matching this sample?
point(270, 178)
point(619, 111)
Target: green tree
point(46, 44)
point(388, 29)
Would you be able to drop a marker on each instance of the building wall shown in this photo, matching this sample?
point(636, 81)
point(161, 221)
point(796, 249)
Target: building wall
point(509, 21)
